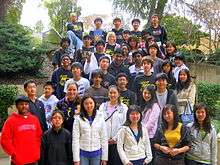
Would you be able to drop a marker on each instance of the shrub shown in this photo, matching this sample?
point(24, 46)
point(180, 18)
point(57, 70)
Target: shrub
point(17, 52)
point(7, 97)
point(210, 95)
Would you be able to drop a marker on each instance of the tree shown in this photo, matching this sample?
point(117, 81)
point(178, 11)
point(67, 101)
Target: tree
point(207, 13)
point(181, 35)
point(59, 11)
point(39, 26)
point(143, 8)
point(3, 8)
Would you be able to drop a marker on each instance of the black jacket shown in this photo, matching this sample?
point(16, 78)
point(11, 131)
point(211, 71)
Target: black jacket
point(56, 148)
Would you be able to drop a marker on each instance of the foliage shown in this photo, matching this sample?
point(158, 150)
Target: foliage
point(210, 95)
point(215, 58)
point(142, 8)
point(39, 26)
point(17, 54)
point(59, 11)
point(7, 97)
point(14, 11)
point(184, 32)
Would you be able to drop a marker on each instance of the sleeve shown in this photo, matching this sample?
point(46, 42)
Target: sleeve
point(164, 35)
point(75, 140)
point(158, 136)
point(104, 141)
point(89, 67)
point(55, 59)
point(43, 117)
point(54, 79)
point(120, 144)
point(134, 87)
point(44, 151)
point(214, 147)
point(147, 148)
point(154, 116)
point(66, 84)
point(192, 95)
point(69, 149)
point(6, 139)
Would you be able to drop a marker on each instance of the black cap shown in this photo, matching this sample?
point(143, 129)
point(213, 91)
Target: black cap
point(179, 56)
point(162, 76)
point(77, 65)
point(100, 42)
point(21, 98)
point(138, 52)
point(118, 51)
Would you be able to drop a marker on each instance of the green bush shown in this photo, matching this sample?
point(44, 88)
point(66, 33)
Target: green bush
point(17, 52)
point(7, 97)
point(210, 95)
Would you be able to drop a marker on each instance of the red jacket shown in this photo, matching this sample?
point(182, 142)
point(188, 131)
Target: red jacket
point(21, 138)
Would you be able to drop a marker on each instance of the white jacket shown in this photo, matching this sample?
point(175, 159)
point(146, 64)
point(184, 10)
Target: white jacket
point(116, 120)
point(129, 149)
point(89, 137)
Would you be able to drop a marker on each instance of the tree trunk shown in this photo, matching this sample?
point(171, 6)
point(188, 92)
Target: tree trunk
point(161, 4)
point(152, 11)
point(3, 9)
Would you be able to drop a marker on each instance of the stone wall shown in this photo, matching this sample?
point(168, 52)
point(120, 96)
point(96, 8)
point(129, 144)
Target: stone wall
point(204, 72)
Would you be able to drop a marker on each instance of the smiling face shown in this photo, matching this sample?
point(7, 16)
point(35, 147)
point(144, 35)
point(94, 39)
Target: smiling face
point(146, 95)
point(71, 91)
point(89, 105)
point(31, 89)
point(201, 115)
point(113, 94)
point(122, 82)
point(182, 76)
point(134, 117)
point(168, 116)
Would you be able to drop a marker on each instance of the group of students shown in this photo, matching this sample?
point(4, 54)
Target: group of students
point(118, 101)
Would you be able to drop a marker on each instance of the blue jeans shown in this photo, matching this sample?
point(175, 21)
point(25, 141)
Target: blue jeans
point(90, 160)
point(75, 42)
point(192, 162)
point(137, 162)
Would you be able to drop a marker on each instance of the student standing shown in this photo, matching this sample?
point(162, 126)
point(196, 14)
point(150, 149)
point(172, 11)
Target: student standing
point(133, 141)
point(90, 142)
point(172, 139)
point(204, 138)
point(56, 145)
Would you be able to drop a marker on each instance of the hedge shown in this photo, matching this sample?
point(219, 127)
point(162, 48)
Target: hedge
point(210, 95)
point(8, 94)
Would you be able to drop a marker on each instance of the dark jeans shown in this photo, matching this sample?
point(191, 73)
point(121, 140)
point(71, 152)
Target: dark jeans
point(167, 161)
point(113, 157)
point(152, 150)
point(192, 162)
point(137, 162)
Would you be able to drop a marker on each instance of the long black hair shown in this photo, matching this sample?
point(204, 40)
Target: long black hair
point(183, 85)
point(135, 108)
point(83, 112)
point(145, 105)
point(172, 108)
point(207, 121)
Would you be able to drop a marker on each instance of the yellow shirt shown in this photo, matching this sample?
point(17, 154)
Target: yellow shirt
point(173, 136)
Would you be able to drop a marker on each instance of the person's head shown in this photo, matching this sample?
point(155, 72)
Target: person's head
point(65, 43)
point(170, 48)
point(122, 80)
point(202, 117)
point(113, 93)
point(22, 104)
point(87, 40)
point(134, 115)
point(169, 117)
point(111, 37)
point(179, 59)
point(135, 23)
point(65, 60)
point(57, 119)
point(161, 81)
point(104, 62)
point(153, 50)
point(72, 91)
point(48, 89)
point(149, 94)
point(145, 34)
point(100, 46)
point(119, 56)
point(155, 20)
point(133, 42)
point(137, 57)
point(73, 17)
point(147, 64)
point(97, 77)
point(76, 69)
point(125, 49)
point(30, 87)
point(126, 34)
point(167, 66)
point(98, 22)
point(88, 107)
point(184, 76)
point(117, 22)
